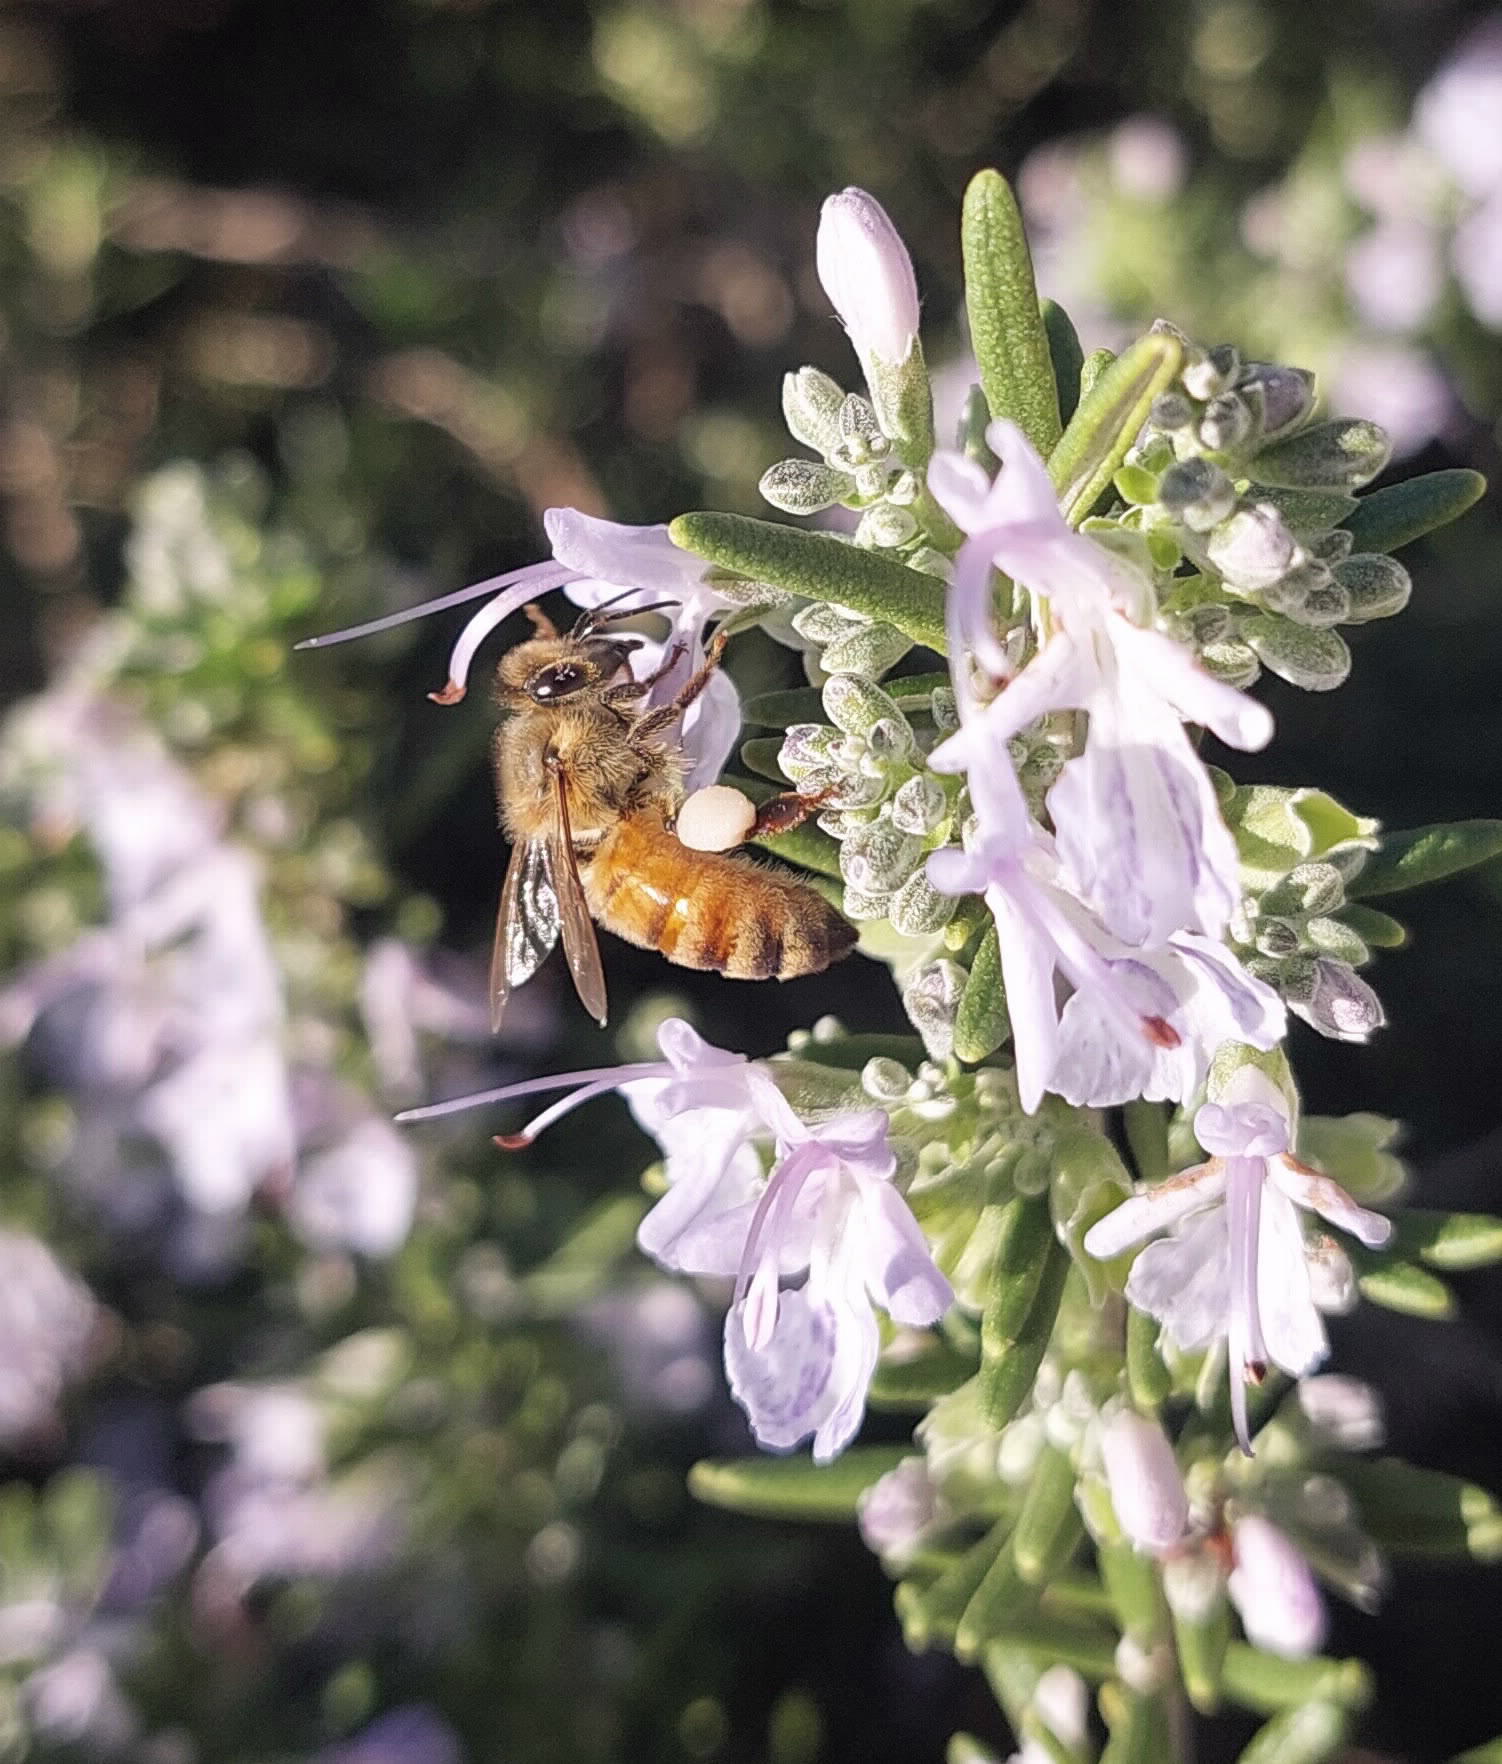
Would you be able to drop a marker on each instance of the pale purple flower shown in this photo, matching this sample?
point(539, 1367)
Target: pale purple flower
point(595, 562)
point(1144, 1482)
point(1397, 386)
point(899, 1510)
point(1138, 1023)
point(1273, 1587)
point(357, 1195)
point(1476, 257)
point(1139, 831)
point(1236, 1264)
point(1456, 113)
point(868, 276)
point(1395, 274)
point(47, 1318)
point(826, 1219)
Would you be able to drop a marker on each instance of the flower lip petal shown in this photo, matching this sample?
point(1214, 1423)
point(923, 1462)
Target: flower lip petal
point(1318, 1194)
point(1155, 1209)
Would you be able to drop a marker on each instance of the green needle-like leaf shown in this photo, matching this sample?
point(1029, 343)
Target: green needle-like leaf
point(1108, 421)
point(982, 1023)
point(1067, 356)
point(1402, 1286)
point(1426, 854)
point(1006, 325)
point(914, 1381)
point(793, 1488)
point(1400, 513)
point(1450, 1240)
point(1307, 1735)
point(819, 567)
point(1267, 1684)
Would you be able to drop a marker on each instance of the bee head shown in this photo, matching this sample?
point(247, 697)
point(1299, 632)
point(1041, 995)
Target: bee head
point(547, 671)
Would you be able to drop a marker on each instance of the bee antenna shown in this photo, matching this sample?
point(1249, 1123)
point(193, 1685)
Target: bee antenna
point(595, 617)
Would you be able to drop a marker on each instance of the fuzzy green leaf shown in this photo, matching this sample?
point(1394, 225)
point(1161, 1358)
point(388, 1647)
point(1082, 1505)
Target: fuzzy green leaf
point(935, 1369)
point(780, 710)
point(1376, 930)
point(1400, 513)
point(1267, 1684)
point(1109, 419)
point(1006, 325)
point(1067, 356)
point(819, 567)
point(1411, 1511)
point(793, 1488)
point(982, 1023)
point(1453, 1241)
point(1403, 1286)
point(1309, 1734)
point(1426, 854)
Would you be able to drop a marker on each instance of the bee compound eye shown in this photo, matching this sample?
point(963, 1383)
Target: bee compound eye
point(556, 682)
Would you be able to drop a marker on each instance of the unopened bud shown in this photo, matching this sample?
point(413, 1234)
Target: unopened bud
point(1344, 1411)
point(1273, 1588)
point(861, 437)
point(931, 999)
point(897, 1509)
point(1227, 422)
point(1209, 374)
point(1142, 1474)
point(856, 705)
point(884, 527)
point(879, 858)
point(811, 407)
point(808, 747)
point(804, 486)
point(868, 276)
point(919, 910)
point(1198, 492)
point(1307, 888)
point(1170, 412)
point(1340, 1004)
point(1282, 396)
point(866, 649)
point(1252, 549)
point(920, 805)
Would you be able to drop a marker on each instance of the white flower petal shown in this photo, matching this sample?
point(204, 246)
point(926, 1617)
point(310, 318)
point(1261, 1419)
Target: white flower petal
point(1184, 1280)
point(1318, 1194)
point(1273, 1588)
point(1154, 1209)
point(1292, 1331)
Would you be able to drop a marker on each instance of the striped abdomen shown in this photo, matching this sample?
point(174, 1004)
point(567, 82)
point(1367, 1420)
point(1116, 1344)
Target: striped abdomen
point(706, 909)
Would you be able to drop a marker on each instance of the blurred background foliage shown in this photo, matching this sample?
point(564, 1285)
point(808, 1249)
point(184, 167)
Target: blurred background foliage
point(322, 1439)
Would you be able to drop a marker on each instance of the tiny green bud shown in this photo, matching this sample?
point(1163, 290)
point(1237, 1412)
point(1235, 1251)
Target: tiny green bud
point(856, 705)
point(884, 527)
point(1198, 492)
point(866, 649)
point(879, 858)
point(919, 910)
point(886, 1080)
point(1227, 422)
point(804, 486)
point(1170, 412)
point(931, 999)
point(920, 805)
point(811, 406)
point(861, 439)
point(821, 621)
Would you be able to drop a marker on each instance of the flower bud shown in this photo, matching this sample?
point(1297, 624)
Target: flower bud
point(1344, 1411)
point(811, 407)
point(1147, 1491)
point(919, 910)
point(1340, 1004)
point(1170, 412)
point(808, 747)
point(1198, 492)
point(804, 486)
point(879, 858)
point(1274, 1590)
point(884, 527)
point(868, 276)
point(1378, 586)
point(1227, 422)
point(856, 705)
point(1206, 376)
point(865, 649)
point(920, 805)
point(1283, 396)
point(886, 1080)
point(1253, 548)
point(861, 437)
point(931, 999)
point(897, 1509)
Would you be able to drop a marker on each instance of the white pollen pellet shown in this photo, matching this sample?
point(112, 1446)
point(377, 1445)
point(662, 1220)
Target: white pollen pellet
point(715, 818)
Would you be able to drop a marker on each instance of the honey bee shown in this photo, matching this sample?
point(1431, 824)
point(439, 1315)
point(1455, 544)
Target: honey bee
point(588, 784)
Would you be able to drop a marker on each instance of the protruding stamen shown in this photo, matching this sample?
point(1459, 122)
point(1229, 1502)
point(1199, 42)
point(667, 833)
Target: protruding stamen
point(534, 573)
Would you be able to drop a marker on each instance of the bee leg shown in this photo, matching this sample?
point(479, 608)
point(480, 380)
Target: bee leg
point(629, 689)
point(780, 814)
point(541, 623)
point(656, 721)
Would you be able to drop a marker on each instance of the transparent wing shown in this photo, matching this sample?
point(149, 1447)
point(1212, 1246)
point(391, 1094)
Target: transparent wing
point(580, 944)
point(527, 925)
